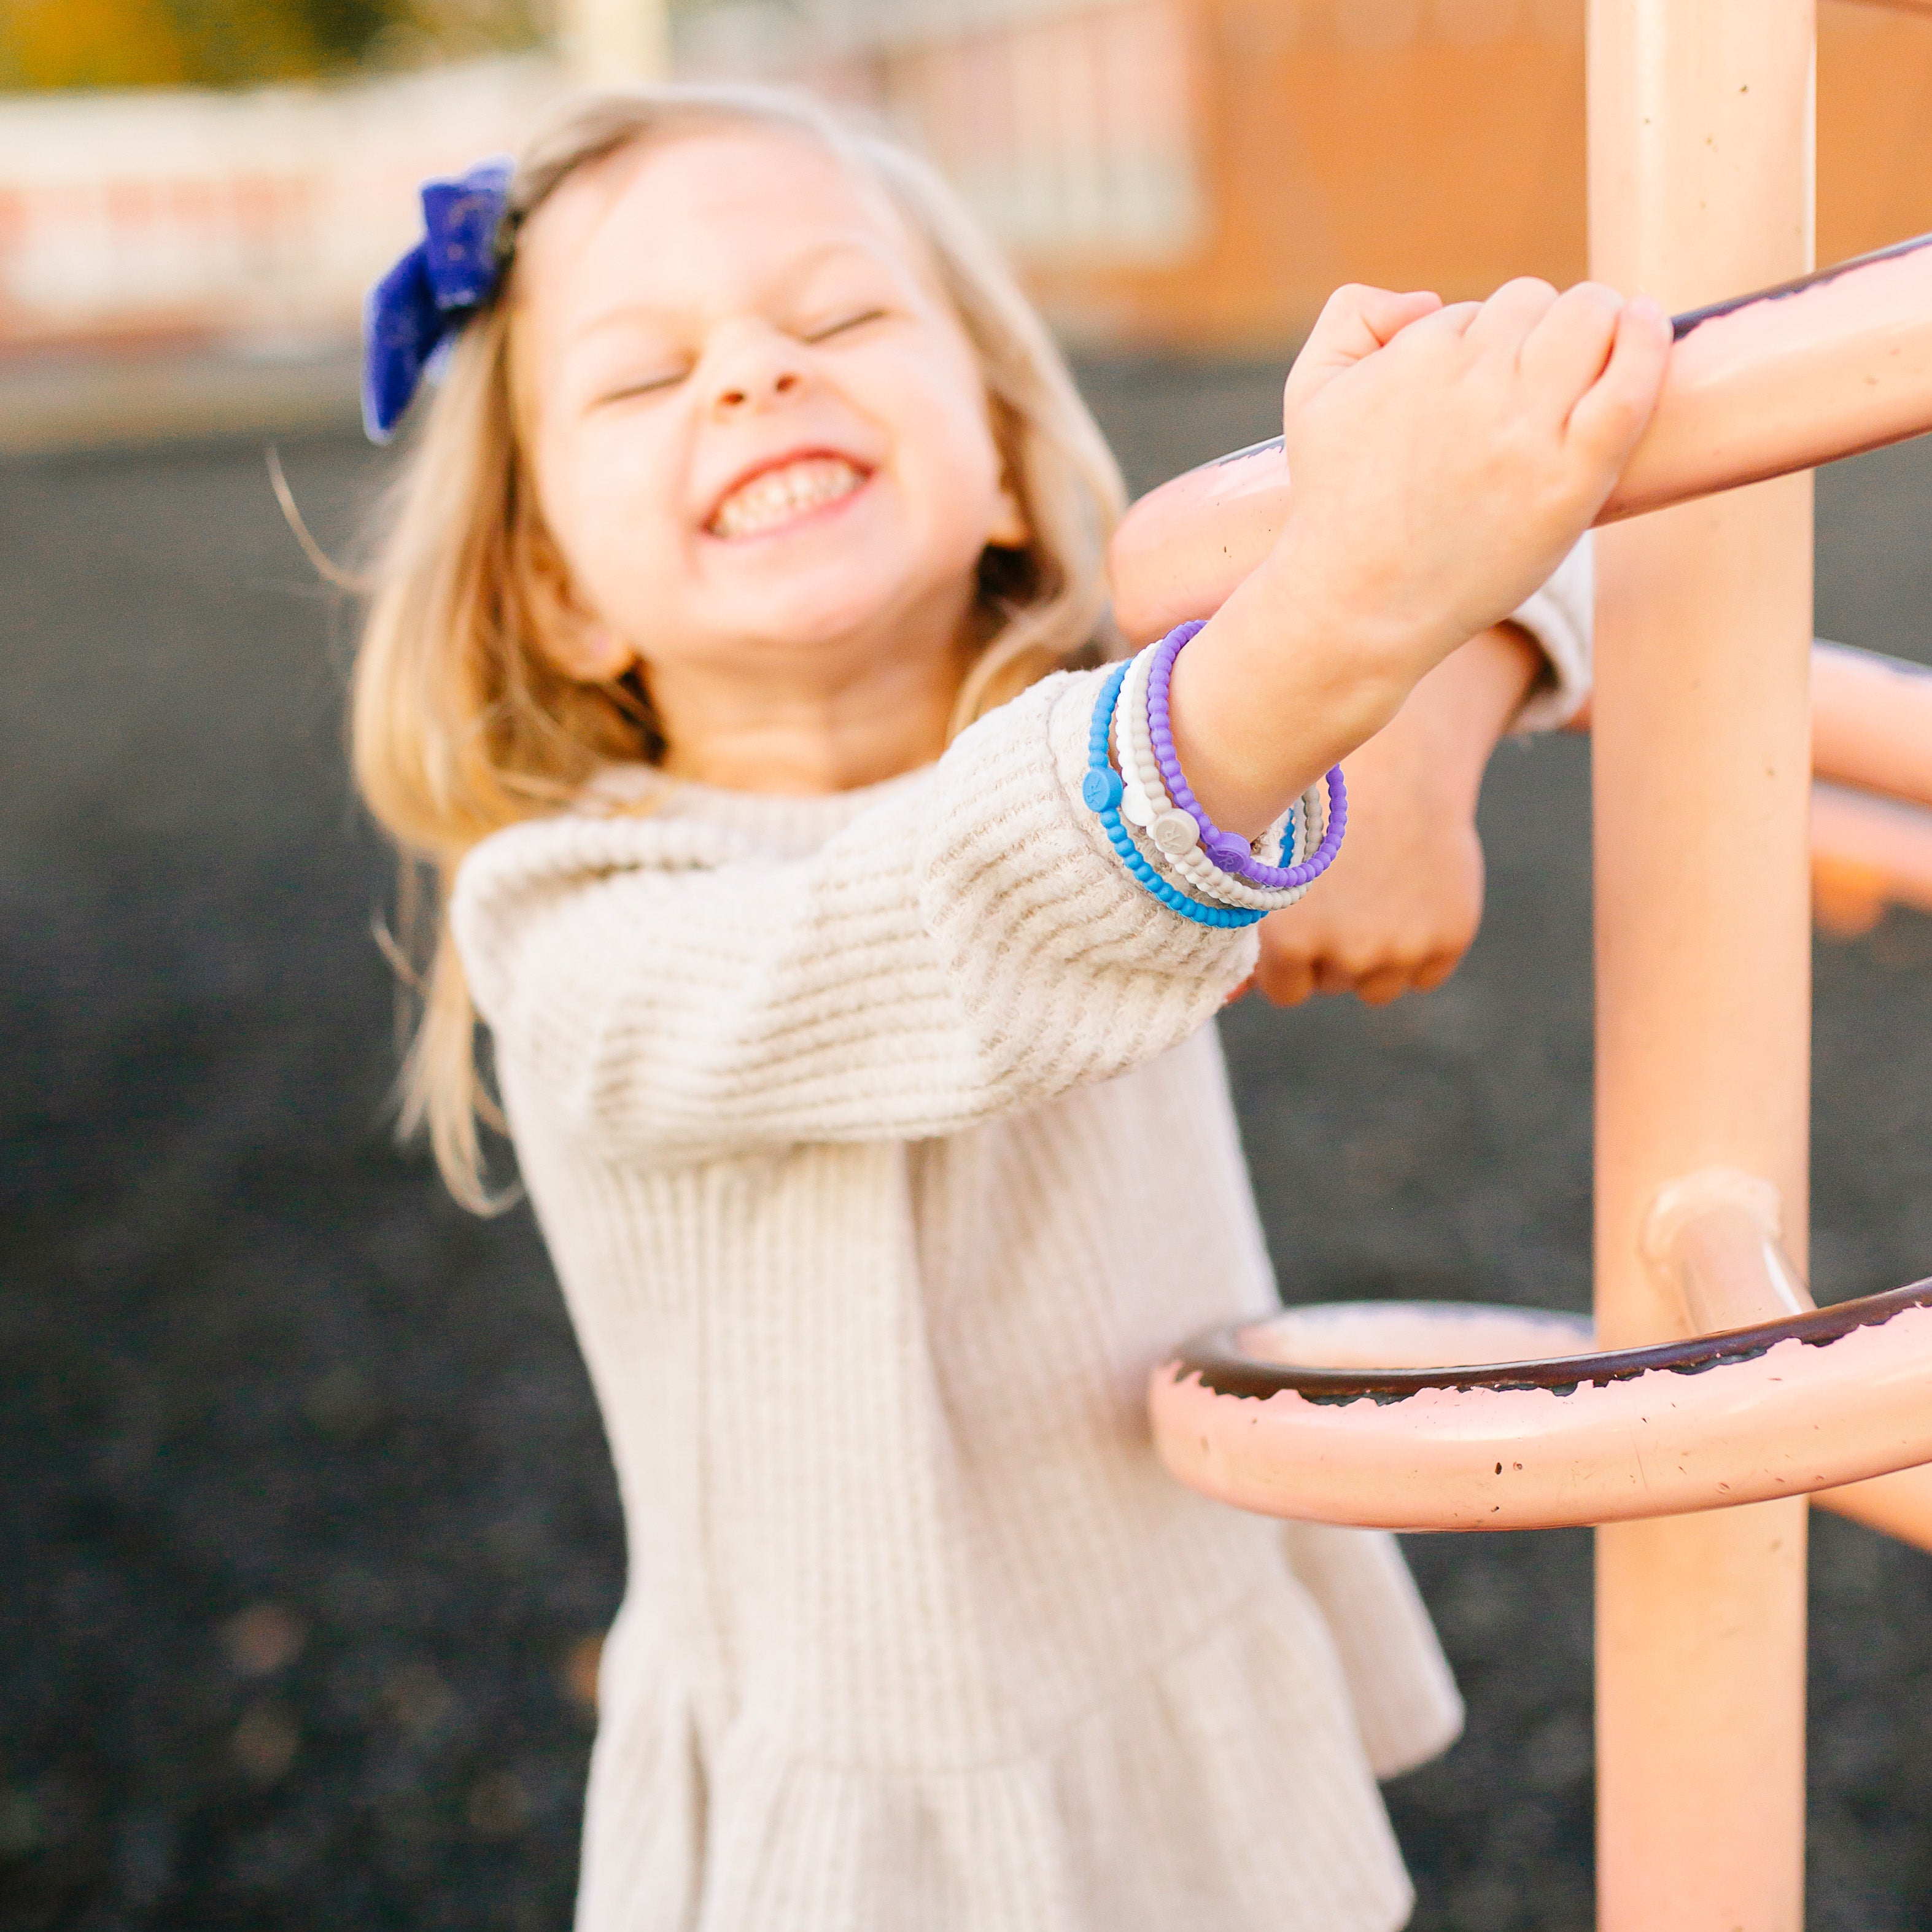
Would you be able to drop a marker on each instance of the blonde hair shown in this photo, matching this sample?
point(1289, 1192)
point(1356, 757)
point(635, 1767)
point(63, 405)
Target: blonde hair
point(460, 725)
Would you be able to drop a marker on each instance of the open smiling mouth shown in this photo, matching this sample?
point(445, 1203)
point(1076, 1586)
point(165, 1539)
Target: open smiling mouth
point(787, 494)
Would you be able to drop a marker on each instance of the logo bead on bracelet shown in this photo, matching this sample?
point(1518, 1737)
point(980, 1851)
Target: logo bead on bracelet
point(1146, 803)
point(1101, 791)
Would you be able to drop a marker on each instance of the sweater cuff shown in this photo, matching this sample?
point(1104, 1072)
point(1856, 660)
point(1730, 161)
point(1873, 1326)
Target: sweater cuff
point(1560, 618)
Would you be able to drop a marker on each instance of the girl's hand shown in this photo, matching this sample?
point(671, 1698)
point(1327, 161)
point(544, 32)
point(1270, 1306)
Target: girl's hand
point(1445, 460)
point(1398, 908)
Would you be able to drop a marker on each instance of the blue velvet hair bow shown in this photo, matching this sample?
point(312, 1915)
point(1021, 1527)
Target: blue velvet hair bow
point(432, 292)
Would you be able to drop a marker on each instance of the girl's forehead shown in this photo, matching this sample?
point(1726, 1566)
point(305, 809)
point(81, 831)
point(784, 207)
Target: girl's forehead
point(713, 213)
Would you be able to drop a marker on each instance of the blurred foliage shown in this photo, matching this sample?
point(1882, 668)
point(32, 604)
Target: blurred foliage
point(75, 44)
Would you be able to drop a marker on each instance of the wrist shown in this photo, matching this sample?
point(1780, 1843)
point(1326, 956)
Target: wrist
point(1502, 667)
point(1260, 704)
point(1468, 703)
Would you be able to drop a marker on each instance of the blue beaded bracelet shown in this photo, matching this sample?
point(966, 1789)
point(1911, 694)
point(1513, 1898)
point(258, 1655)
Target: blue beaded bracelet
point(1102, 790)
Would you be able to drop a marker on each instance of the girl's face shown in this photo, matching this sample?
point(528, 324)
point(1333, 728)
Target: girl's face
point(758, 431)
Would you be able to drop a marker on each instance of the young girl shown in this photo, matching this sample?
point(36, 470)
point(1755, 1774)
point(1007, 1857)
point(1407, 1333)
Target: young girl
point(854, 1046)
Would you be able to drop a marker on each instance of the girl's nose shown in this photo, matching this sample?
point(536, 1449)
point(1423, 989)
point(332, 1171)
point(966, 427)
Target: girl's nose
point(756, 371)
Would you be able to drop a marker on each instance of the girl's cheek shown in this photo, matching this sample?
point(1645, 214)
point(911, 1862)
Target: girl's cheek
point(630, 483)
point(946, 412)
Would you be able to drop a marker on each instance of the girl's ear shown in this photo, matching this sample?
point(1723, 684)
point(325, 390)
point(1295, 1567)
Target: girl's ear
point(579, 644)
point(1010, 529)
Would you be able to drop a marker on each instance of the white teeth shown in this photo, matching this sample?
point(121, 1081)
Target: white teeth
point(775, 496)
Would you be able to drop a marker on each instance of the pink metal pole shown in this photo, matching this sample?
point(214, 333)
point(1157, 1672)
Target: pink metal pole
point(1701, 132)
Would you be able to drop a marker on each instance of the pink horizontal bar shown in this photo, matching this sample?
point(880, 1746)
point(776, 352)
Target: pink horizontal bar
point(1871, 721)
point(1788, 378)
point(1873, 845)
point(1781, 379)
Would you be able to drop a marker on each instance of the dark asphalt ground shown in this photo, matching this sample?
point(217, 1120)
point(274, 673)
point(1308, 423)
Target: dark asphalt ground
point(305, 1508)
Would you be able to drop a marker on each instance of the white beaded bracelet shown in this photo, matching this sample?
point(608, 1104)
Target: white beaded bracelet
point(1173, 835)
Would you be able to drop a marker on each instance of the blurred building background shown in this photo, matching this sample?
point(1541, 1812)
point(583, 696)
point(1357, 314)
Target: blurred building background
point(1191, 175)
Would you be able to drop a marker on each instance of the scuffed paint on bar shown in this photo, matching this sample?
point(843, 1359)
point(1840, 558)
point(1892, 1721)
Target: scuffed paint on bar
point(1781, 1409)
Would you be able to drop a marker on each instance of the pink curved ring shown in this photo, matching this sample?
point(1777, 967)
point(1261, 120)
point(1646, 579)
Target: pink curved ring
point(1358, 1412)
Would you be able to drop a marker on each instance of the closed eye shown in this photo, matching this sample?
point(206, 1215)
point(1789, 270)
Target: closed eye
point(829, 329)
point(650, 385)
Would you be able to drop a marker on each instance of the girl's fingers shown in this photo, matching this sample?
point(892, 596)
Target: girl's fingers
point(1379, 988)
point(1286, 980)
point(1453, 319)
point(1385, 314)
point(1458, 316)
point(1355, 321)
point(1507, 317)
point(1612, 413)
point(1569, 348)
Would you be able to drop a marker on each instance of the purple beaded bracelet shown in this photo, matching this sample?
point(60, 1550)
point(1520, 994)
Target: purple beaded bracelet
point(1229, 850)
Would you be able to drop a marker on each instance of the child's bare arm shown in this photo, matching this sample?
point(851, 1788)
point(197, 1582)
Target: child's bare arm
point(1402, 903)
point(1444, 462)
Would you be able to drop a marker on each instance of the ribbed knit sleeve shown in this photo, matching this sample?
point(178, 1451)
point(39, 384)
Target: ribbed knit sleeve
point(967, 946)
point(1561, 617)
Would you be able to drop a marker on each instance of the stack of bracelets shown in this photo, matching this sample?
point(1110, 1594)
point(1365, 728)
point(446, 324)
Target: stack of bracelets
point(1164, 839)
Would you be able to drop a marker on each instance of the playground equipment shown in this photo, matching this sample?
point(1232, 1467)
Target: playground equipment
point(1710, 1397)
point(1825, 366)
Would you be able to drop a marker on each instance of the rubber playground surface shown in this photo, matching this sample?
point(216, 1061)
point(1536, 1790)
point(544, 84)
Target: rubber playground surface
point(309, 1525)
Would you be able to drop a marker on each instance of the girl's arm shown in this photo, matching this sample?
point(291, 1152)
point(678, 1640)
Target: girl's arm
point(1446, 461)
point(1399, 907)
point(1401, 904)
point(967, 945)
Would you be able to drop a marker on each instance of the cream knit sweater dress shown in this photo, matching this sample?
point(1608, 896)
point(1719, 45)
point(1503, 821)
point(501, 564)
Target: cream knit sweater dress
point(883, 1145)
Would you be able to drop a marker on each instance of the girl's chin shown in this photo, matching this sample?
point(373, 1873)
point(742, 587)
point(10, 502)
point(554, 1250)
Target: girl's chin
point(806, 614)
